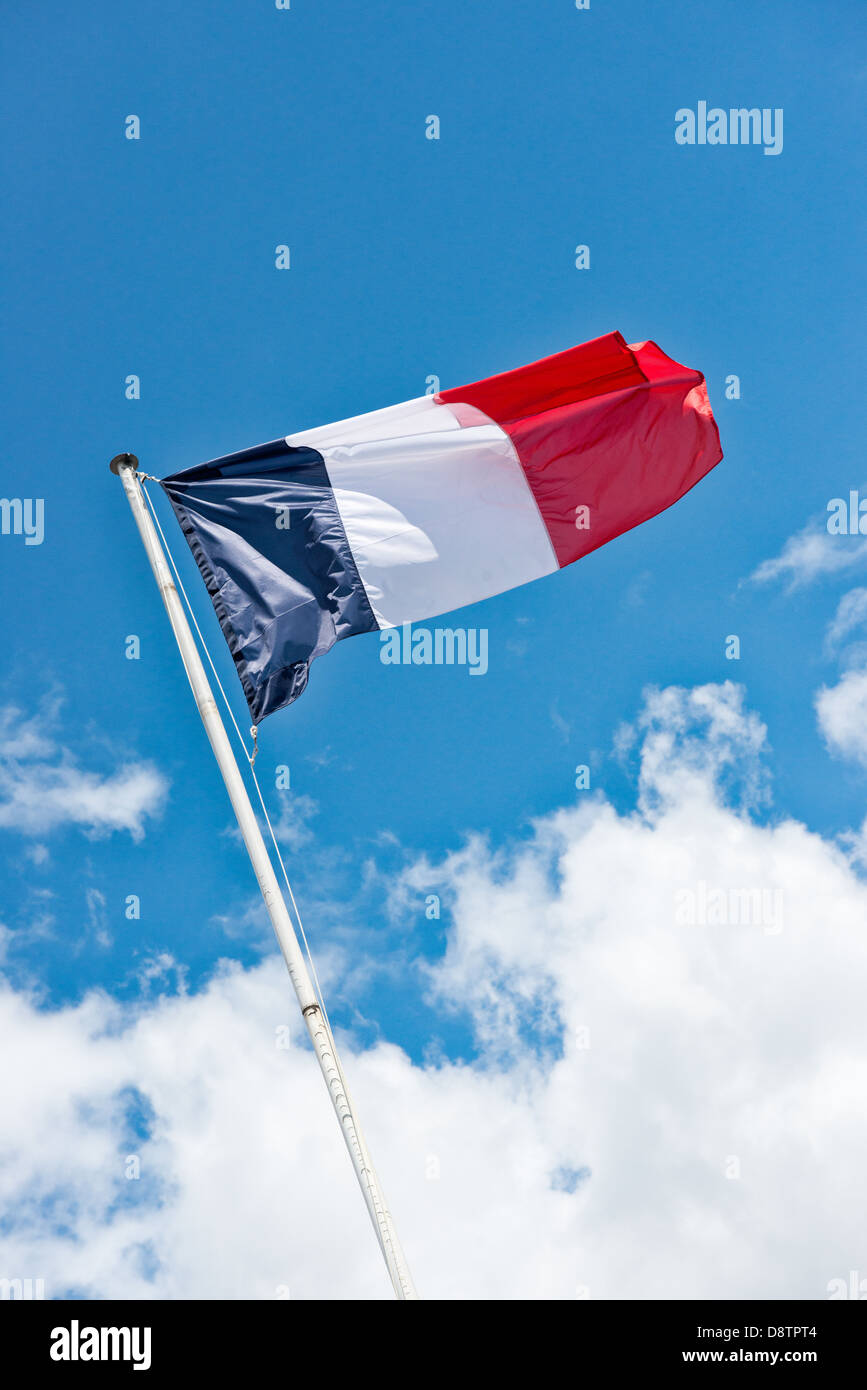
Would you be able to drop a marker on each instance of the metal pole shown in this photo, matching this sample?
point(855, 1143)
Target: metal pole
point(125, 466)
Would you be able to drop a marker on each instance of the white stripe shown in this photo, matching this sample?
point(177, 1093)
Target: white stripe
point(419, 416)
point(437, 510)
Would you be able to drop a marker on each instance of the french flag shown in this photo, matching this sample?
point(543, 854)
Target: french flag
point(412, 511)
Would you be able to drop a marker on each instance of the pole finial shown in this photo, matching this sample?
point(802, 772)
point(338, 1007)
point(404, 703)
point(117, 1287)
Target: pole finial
point(123, 461)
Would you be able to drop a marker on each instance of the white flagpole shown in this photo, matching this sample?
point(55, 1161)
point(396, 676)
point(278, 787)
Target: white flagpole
point(125, 466)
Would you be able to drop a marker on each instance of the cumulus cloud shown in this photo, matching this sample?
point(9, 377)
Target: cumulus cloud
point(43, 786)
point(661, 1104)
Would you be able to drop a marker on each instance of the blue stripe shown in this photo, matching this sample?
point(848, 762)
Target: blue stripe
point(283, 594)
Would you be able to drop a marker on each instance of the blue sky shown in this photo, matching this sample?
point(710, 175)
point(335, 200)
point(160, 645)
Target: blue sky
point(410, 257)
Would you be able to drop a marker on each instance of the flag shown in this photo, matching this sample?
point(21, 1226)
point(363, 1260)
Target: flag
point(420, 508)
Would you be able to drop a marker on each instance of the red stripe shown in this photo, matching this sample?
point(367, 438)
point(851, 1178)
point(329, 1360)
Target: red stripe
point(623, 431)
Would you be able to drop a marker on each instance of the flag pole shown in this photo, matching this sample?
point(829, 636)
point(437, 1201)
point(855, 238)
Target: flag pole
point(125, 467)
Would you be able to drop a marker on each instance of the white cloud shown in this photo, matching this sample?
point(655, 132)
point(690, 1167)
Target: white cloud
point(693, 738)
point(811, 554)
point(42, 786)
point(841, 710)
point(291, 827)
point(655, 1055)
point(23, 737)
point(851, 615)
point(98, 917)
point(38, 797)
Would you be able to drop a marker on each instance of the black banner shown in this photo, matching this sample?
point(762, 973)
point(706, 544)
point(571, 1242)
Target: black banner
point(71, 1338)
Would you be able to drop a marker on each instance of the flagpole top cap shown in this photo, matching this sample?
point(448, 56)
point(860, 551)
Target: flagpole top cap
point(123, 461)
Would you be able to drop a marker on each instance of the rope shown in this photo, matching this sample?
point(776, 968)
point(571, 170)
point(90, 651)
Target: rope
point(251, 759)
